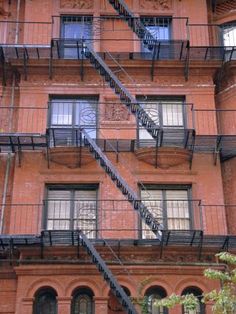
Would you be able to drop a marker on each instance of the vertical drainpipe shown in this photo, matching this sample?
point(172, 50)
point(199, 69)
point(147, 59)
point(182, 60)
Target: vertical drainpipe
point(7, 172)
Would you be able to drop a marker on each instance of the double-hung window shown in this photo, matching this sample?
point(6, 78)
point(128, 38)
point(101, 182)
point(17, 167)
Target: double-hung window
point(167, 113)
point(67, 116)
point(170, 205)
point(72, 207)
point(74, 30)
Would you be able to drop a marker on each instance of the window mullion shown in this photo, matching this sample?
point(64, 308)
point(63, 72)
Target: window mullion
point(72, 209)
point(164, 212)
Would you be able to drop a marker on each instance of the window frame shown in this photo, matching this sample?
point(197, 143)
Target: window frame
point(156, 290)
point(40, 293)
point(195, 291)
point(67, 42)
point(161, 99)
point(72, 188)
point(83, 291)
point(163, 188)
point(75, 101)
point(158, 21)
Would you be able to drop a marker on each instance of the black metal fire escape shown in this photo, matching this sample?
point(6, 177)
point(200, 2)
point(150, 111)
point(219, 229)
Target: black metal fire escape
point(125, 96)
point(107, 275)
point(131, 196)
point(134, 23)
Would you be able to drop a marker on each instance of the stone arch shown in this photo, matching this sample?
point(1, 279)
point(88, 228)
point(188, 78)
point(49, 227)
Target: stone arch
point(45, 282)
point(190, 282)
point(159, 282)
point(82, 282)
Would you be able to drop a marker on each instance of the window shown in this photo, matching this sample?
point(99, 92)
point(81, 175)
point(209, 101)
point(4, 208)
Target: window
point(198, 293)
point(67, 115)
point(153, 294)
point(74, 29)
point(72, 207)
point(170, 205)
point(229, 39)
point(166, 112)
point(45, 302)
point(82, 302)
point(160, 29)
point(229, 34)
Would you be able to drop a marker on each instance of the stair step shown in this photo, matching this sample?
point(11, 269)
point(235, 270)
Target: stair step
point(107, 275)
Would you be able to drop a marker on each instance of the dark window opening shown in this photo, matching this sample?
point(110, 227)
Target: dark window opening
point(82, 301)
point(45, 302)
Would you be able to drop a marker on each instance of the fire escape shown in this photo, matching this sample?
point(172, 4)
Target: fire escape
point(18, 142)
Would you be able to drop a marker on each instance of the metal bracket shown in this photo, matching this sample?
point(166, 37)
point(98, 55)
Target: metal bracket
point(192, 150)
point(155, 53)
point(200, 246)
point(187, 62)
point(2, 59)
point(25, 60)
point(82, 60)
point(217, 149)
point(50, 61)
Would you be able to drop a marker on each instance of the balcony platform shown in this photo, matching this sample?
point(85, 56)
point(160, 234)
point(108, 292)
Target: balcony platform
point(13, 142)
point(51, 238)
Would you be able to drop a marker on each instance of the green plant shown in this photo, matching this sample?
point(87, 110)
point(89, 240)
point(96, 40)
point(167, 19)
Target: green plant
point(224, 300)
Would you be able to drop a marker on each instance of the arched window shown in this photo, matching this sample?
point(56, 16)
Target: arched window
point(45, 301)
point(114, 305)
point(198, 293)
point(153, 294)
point(82, 301)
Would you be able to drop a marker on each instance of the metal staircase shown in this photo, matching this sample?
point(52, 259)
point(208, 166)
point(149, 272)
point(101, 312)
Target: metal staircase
point(107, 274)
point(134, 23)
point(125, 96)
point(131, 196)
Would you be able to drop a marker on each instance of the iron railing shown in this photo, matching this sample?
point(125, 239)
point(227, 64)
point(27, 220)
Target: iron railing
point(103, 116)
point(64, 114)
point(102, 28)
point(100, 218)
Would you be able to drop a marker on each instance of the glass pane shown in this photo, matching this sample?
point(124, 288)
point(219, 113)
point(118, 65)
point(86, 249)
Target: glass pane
point(152, 308)
point(153, 200)
point(58, 209)
point(229, 35)
point(177, 209)
point(82, 304)
point(61, 113)
point(46, 304)
point(172, 114)
point(153, 111)
point(85, 207)
point(77, 30)
point(86, 116)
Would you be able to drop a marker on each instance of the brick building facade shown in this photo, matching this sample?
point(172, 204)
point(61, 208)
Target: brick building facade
point(117, 152)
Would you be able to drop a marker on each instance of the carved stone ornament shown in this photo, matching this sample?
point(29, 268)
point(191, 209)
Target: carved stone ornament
point(3, 12)
point(76, 4)
point(116, 112)
point(156, 4)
